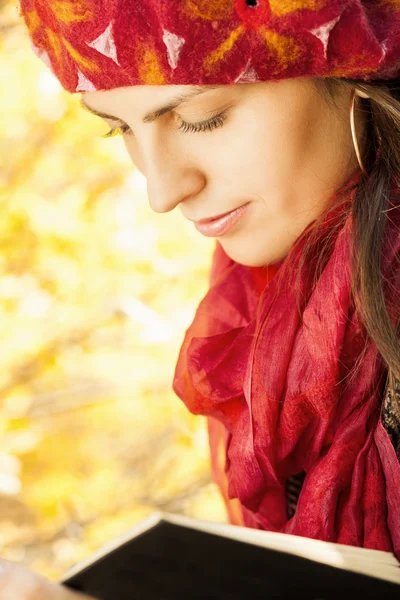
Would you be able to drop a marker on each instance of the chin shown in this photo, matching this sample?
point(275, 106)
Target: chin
point(251, 256)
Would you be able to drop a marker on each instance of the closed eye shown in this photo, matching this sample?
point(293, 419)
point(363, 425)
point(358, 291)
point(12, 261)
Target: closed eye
point(184, 127)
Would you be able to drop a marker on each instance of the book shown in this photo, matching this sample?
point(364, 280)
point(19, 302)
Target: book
point(169, 557)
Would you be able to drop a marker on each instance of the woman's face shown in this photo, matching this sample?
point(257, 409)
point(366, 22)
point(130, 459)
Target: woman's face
point(279, 146)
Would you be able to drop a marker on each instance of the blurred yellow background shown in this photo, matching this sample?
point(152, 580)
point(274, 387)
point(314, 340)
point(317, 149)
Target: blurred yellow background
point(96, 292)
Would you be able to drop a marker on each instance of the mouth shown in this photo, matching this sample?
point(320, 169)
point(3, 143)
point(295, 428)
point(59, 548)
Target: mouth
point(218, 226)
point(209, 219)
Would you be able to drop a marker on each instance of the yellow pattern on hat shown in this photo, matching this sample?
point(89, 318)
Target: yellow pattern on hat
point(285, 48)
point(215, 40)
point(71, 11)
point(210, 10)
point(83, 62)
point(227, 45)
point(58, 43)
point(284, 7)
point(32, 21)
point(353, 62)
point(149, 67)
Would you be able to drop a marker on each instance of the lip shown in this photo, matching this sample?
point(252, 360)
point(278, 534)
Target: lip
point(220, 225)
point(216, 217)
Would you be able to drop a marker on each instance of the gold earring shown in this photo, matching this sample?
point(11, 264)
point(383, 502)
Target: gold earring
point(353, 132)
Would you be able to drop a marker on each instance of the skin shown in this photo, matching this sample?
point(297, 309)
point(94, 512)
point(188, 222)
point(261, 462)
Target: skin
point(19, 583)
point(282, 148)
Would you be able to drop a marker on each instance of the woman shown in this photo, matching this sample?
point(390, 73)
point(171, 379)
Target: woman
point(286, 115)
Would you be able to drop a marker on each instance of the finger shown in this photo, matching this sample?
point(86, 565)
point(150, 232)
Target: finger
point(18, 582)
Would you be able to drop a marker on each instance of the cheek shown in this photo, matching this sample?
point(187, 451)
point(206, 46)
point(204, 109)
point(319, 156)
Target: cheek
point(265, 155)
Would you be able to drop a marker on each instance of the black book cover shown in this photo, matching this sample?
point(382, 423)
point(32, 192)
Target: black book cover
point(171, 562)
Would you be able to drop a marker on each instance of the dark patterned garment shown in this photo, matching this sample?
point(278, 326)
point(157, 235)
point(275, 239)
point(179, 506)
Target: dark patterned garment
point(391, 422)
point(391, 415)
point(293, 489)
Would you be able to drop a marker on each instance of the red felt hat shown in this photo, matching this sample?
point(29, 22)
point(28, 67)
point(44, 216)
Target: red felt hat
point(102, 44)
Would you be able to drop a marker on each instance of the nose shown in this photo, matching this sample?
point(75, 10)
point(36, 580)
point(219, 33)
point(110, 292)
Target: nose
point(167, 188)
point(172, 176)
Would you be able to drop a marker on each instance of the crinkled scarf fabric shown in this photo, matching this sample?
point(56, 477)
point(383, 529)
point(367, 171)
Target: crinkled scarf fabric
point(281, 398)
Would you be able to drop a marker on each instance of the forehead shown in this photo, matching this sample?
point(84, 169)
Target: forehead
point(148, 93)
point(160, 99)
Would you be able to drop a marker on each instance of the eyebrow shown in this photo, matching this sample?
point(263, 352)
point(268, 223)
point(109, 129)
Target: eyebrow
point(155, 114)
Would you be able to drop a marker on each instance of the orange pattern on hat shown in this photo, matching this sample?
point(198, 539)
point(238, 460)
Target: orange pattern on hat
point(278, 37)
point(353, 63)
point(284, 7)
point(82, 61)
point(71, 11)
point(32, 21)
point(285, 48)
point(210, 10)
point(59, 47)
point(220, 52)
point(149, 68)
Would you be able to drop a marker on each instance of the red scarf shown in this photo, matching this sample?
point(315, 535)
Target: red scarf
point(280, 401)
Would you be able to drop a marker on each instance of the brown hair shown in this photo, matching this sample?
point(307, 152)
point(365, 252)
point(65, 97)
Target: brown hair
point(372, 211)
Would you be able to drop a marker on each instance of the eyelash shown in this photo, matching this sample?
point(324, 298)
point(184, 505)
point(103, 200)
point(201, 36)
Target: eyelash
point(184, 127)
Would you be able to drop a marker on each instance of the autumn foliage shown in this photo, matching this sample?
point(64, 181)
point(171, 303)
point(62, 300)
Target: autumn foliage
point(96, 291)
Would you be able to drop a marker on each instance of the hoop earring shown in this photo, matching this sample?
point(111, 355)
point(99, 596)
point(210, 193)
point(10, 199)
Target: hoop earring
point(354, 134)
